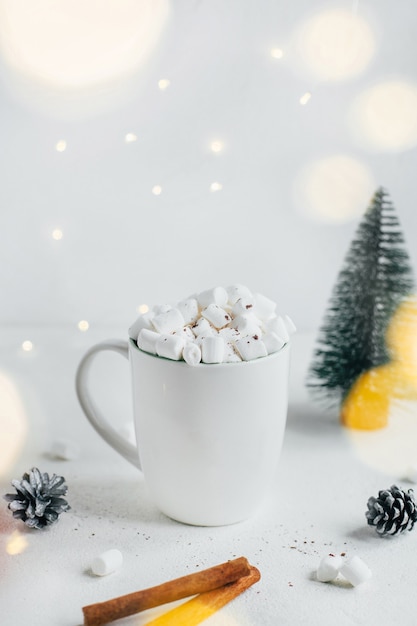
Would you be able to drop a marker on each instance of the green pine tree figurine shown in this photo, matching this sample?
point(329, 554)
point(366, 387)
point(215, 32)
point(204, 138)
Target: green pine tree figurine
point(375, 278)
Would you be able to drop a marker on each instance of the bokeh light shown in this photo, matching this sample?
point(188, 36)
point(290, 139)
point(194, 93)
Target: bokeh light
point(305, 98)
point(37, 38)
point(276, 53)
point(334, 189)
point(57, 234)
point(61, 145)
point(13, 424)
point(384, 117)
point(216, 146)
point(335, 44)
point(130, 138)
point(142, 308)
point(16, 543)
point(163, 84)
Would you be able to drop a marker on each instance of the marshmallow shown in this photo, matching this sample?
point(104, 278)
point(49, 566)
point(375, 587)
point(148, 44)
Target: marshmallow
point(203, 328)
point(230, 354)
point(143, 321)
point(161, 308)
point(411, 473)
point(229, 334)
point(277, 325)
point(264, 307)
point(107, 562)
point(272, 342)
point(168, 321)
point(170, 346)
point(243, 305)
point(234, 292)
point(355, 571)
point(191, 354)
point(216, 315)
point(328, 568)
point(212, 349)
point(247, 325)
point(147, 340)
point(217, 295)
point(291, 327)
point(189, 310)
point(250, 348)
point(64, 449)
point(185, 332)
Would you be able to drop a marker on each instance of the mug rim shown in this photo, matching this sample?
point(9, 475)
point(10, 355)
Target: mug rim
point(182, 363)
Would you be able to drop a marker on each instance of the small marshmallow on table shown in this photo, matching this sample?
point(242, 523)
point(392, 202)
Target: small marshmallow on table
point(107, 562)
point(64, 449)
point(411, 473)
point(355, 571)
point(328, 568)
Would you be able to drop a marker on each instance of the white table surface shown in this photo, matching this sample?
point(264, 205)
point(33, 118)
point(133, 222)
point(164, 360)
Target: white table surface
point(325, 477)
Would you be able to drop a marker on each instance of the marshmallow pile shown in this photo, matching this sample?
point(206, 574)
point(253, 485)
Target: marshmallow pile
point(219, 325)
point(354, 570)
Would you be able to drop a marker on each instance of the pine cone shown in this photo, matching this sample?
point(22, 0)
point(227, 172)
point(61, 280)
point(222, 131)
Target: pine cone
point(38, 502)
point(393, 511)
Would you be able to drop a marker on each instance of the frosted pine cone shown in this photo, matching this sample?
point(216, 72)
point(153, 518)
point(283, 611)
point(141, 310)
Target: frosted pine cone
point(38, 502)
point(392, 512)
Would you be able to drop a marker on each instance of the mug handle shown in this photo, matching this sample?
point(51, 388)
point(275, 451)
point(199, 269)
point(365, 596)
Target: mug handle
point(96, 419)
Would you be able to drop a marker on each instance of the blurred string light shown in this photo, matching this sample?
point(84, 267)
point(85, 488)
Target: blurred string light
point(334, 189)
point(335, 44)
point(77, 44)
point(216, 146)
point(27, 346)
point(163, 84)
point(157, 190)
point(384, 117)
point(142, 308)
point(276, 53)
point(305, 98)
point(130, 138)
point(57, 234)
point(83, 325)
point(13, 424)
point(61, 146)
point(216, 186)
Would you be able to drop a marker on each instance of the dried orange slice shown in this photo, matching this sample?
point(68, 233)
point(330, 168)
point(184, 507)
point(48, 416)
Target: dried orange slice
point(366, 407)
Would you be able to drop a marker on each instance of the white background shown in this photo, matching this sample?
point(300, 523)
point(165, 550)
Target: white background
point(282, 221)
point(78, 78)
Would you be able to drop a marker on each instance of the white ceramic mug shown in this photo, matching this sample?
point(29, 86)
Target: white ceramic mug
point(209, 437)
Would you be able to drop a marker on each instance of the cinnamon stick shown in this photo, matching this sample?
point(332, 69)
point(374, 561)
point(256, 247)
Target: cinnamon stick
point(177, 589)
point(201, 607)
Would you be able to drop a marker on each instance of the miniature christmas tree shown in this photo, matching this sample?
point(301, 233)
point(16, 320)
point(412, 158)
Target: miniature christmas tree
point(375, 278)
